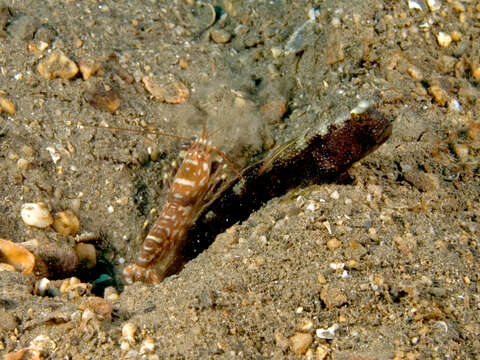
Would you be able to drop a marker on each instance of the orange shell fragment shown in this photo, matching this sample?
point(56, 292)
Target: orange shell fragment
point(33, 354)
point(16, 255)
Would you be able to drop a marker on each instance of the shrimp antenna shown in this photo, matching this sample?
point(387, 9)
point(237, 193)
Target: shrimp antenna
point(140, 131)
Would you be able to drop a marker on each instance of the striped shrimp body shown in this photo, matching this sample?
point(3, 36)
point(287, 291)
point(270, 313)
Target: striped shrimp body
point(193, 186)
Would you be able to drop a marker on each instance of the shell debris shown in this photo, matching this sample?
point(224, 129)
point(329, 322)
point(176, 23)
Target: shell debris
point(36, 214)
point(57, 65)
point(17, 256)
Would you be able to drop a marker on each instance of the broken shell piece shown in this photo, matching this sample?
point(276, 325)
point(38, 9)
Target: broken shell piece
point(166, 89)
point(328, 333)
point(17, 256)
point(36, 214)
point(66, 223)
point(57, 65)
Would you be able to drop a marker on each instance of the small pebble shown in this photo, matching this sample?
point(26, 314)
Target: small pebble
point(415, 73)
point(461, 150)
point(444, 39)
point(166, 89)
point(321, 352)
point(57, 65)
point(321, 279)
point(333, 244)
point(23, 164)
point(335, 195)
point(300, 342)
point(456, 35)
point(37, 48)
point(105, 100)
point(473, 130)
point(183, 63)
point(439, 95)
point(220, 36)
point(422, 181)
point(475, 69)
point(7, 106)
point(305, 325)
point(66, 223)
point(332, 297)
point(88, 68)
point(27, 150)
point(36, 214)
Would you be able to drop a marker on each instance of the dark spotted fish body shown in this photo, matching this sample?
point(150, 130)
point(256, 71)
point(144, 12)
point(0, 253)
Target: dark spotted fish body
point(194, 184)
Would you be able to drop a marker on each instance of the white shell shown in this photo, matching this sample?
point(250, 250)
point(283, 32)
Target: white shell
point(36, 214)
